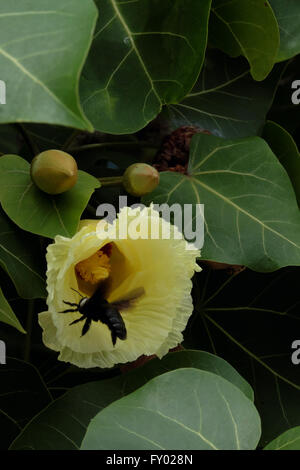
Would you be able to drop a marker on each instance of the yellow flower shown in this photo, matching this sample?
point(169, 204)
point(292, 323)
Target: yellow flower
point(163, 268)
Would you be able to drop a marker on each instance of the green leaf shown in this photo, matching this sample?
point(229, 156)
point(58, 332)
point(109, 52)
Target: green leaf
point(7, 315)
point(33, 38)
point(285, 148)
point(233, 316)
point(288, 18)
point(36, 211)
point(248, 28)
point(23, 393)
point(251, 214)
point(284, 111)
point(226, 100)
point(21, 258)
point(289, 440)
point(198, 360)
point(63, 424)
point(145, 53)
point(183, 409)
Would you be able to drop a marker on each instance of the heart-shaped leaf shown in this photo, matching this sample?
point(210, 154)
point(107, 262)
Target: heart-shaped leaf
point(226, 100)
point(285, 148)
point(36, 211)
point(183, 409)
point(251, 213)
point(144, 54)
point(43, 47)
point(289, 440)
point(7, 315)
point(198, 360)
point(288, 18)
point(284, 111)
point(68, 417)
point(248, 28)
point(21, 257)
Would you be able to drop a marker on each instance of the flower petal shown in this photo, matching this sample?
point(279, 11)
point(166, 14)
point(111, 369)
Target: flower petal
point(154, 322)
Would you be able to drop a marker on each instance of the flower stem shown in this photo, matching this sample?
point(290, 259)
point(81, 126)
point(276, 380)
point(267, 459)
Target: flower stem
point(30, 312)
point(139, 144)
point(111, 181)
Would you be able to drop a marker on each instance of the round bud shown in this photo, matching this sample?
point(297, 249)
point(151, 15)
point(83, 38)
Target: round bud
point(54, 171)
point(140, 179)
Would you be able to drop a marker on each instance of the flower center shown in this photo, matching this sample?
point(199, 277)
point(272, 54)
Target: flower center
point(93, 270)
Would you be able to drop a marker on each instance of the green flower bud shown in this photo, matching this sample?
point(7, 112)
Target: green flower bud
point(140, 179)
point(54, 171)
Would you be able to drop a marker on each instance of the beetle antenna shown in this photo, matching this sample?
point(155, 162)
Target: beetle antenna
point(77, 292)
